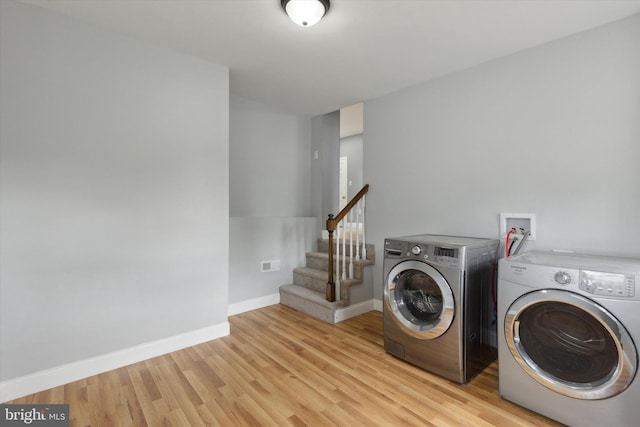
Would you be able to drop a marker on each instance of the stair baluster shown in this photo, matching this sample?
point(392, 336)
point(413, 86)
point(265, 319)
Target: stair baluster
point(350, 244)
point(364, 246)
point(344, 250)
point(358, 231)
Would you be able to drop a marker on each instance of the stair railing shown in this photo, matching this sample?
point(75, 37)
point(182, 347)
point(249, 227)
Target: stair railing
point(333, 224)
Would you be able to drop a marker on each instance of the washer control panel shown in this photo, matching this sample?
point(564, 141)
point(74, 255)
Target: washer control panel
point(441, 255)
point(590, 275)
point(610, 284)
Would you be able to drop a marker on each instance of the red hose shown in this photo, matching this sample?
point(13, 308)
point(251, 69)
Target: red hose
point(506, 245)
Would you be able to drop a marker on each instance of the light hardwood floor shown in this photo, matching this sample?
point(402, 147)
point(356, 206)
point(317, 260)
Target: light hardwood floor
point(279, 367)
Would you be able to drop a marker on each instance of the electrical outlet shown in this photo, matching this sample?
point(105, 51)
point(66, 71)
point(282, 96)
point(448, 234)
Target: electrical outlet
point(526, 221)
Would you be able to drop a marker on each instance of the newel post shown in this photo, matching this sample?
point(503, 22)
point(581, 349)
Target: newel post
point(330, 289)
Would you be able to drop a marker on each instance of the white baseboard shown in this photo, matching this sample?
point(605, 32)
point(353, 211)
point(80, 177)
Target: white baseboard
point(253, 304)
point(49, 378)
point(353, 311)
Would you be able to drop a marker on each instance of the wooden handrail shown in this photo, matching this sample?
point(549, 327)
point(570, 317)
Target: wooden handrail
point(332, 225)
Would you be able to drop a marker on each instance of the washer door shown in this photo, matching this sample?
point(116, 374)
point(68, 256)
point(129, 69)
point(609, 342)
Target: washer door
point(570, 344)
point(419, 299)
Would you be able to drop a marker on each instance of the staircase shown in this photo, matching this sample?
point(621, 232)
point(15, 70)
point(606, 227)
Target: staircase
point(307, 292)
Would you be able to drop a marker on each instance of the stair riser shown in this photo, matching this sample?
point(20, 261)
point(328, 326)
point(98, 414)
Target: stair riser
point(307, 292)
point(308, 307)
point(320, 263)
point(357, 271)
point(317, 263)
point(318, 285)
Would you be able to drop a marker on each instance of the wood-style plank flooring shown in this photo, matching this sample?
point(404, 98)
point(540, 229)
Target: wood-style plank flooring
point(279, 367)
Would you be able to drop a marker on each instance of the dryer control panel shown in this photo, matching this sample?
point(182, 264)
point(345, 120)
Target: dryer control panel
point(608, 284)
point(445, 256)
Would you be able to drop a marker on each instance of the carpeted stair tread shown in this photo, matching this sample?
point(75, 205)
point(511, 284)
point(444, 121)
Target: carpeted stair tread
point(307, 292)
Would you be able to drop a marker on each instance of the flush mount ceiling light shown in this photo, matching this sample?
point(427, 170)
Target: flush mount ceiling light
point(305, 12)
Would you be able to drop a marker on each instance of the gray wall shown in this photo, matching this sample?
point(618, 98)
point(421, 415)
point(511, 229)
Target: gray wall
point(253, 240)
point(114, 192)
point(270, 161)
point(270, 199)
point(325, 136)
point(553, 130)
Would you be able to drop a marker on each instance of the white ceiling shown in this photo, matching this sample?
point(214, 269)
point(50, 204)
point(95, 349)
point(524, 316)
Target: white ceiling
point(359, 51)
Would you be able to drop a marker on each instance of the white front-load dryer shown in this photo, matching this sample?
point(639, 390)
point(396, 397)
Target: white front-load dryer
point(568, 330)
point(437, 303)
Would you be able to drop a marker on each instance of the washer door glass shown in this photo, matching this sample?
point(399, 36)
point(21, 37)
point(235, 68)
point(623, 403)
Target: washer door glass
point(570, 344)
point(420, 299)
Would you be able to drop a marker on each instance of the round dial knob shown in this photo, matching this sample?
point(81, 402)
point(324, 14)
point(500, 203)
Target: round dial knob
point(416, 250)
point(562, 277)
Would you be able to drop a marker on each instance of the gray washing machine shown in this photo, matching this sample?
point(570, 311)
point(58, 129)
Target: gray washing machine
point(568, 329)
point(438, 307)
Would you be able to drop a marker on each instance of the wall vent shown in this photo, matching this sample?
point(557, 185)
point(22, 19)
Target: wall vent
point(270, 266)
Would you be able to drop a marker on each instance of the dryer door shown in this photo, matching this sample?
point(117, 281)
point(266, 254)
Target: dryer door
point(570, 344)
point(419, 299)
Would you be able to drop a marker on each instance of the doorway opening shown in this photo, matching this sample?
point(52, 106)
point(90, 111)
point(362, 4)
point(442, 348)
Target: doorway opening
point(351, 178)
